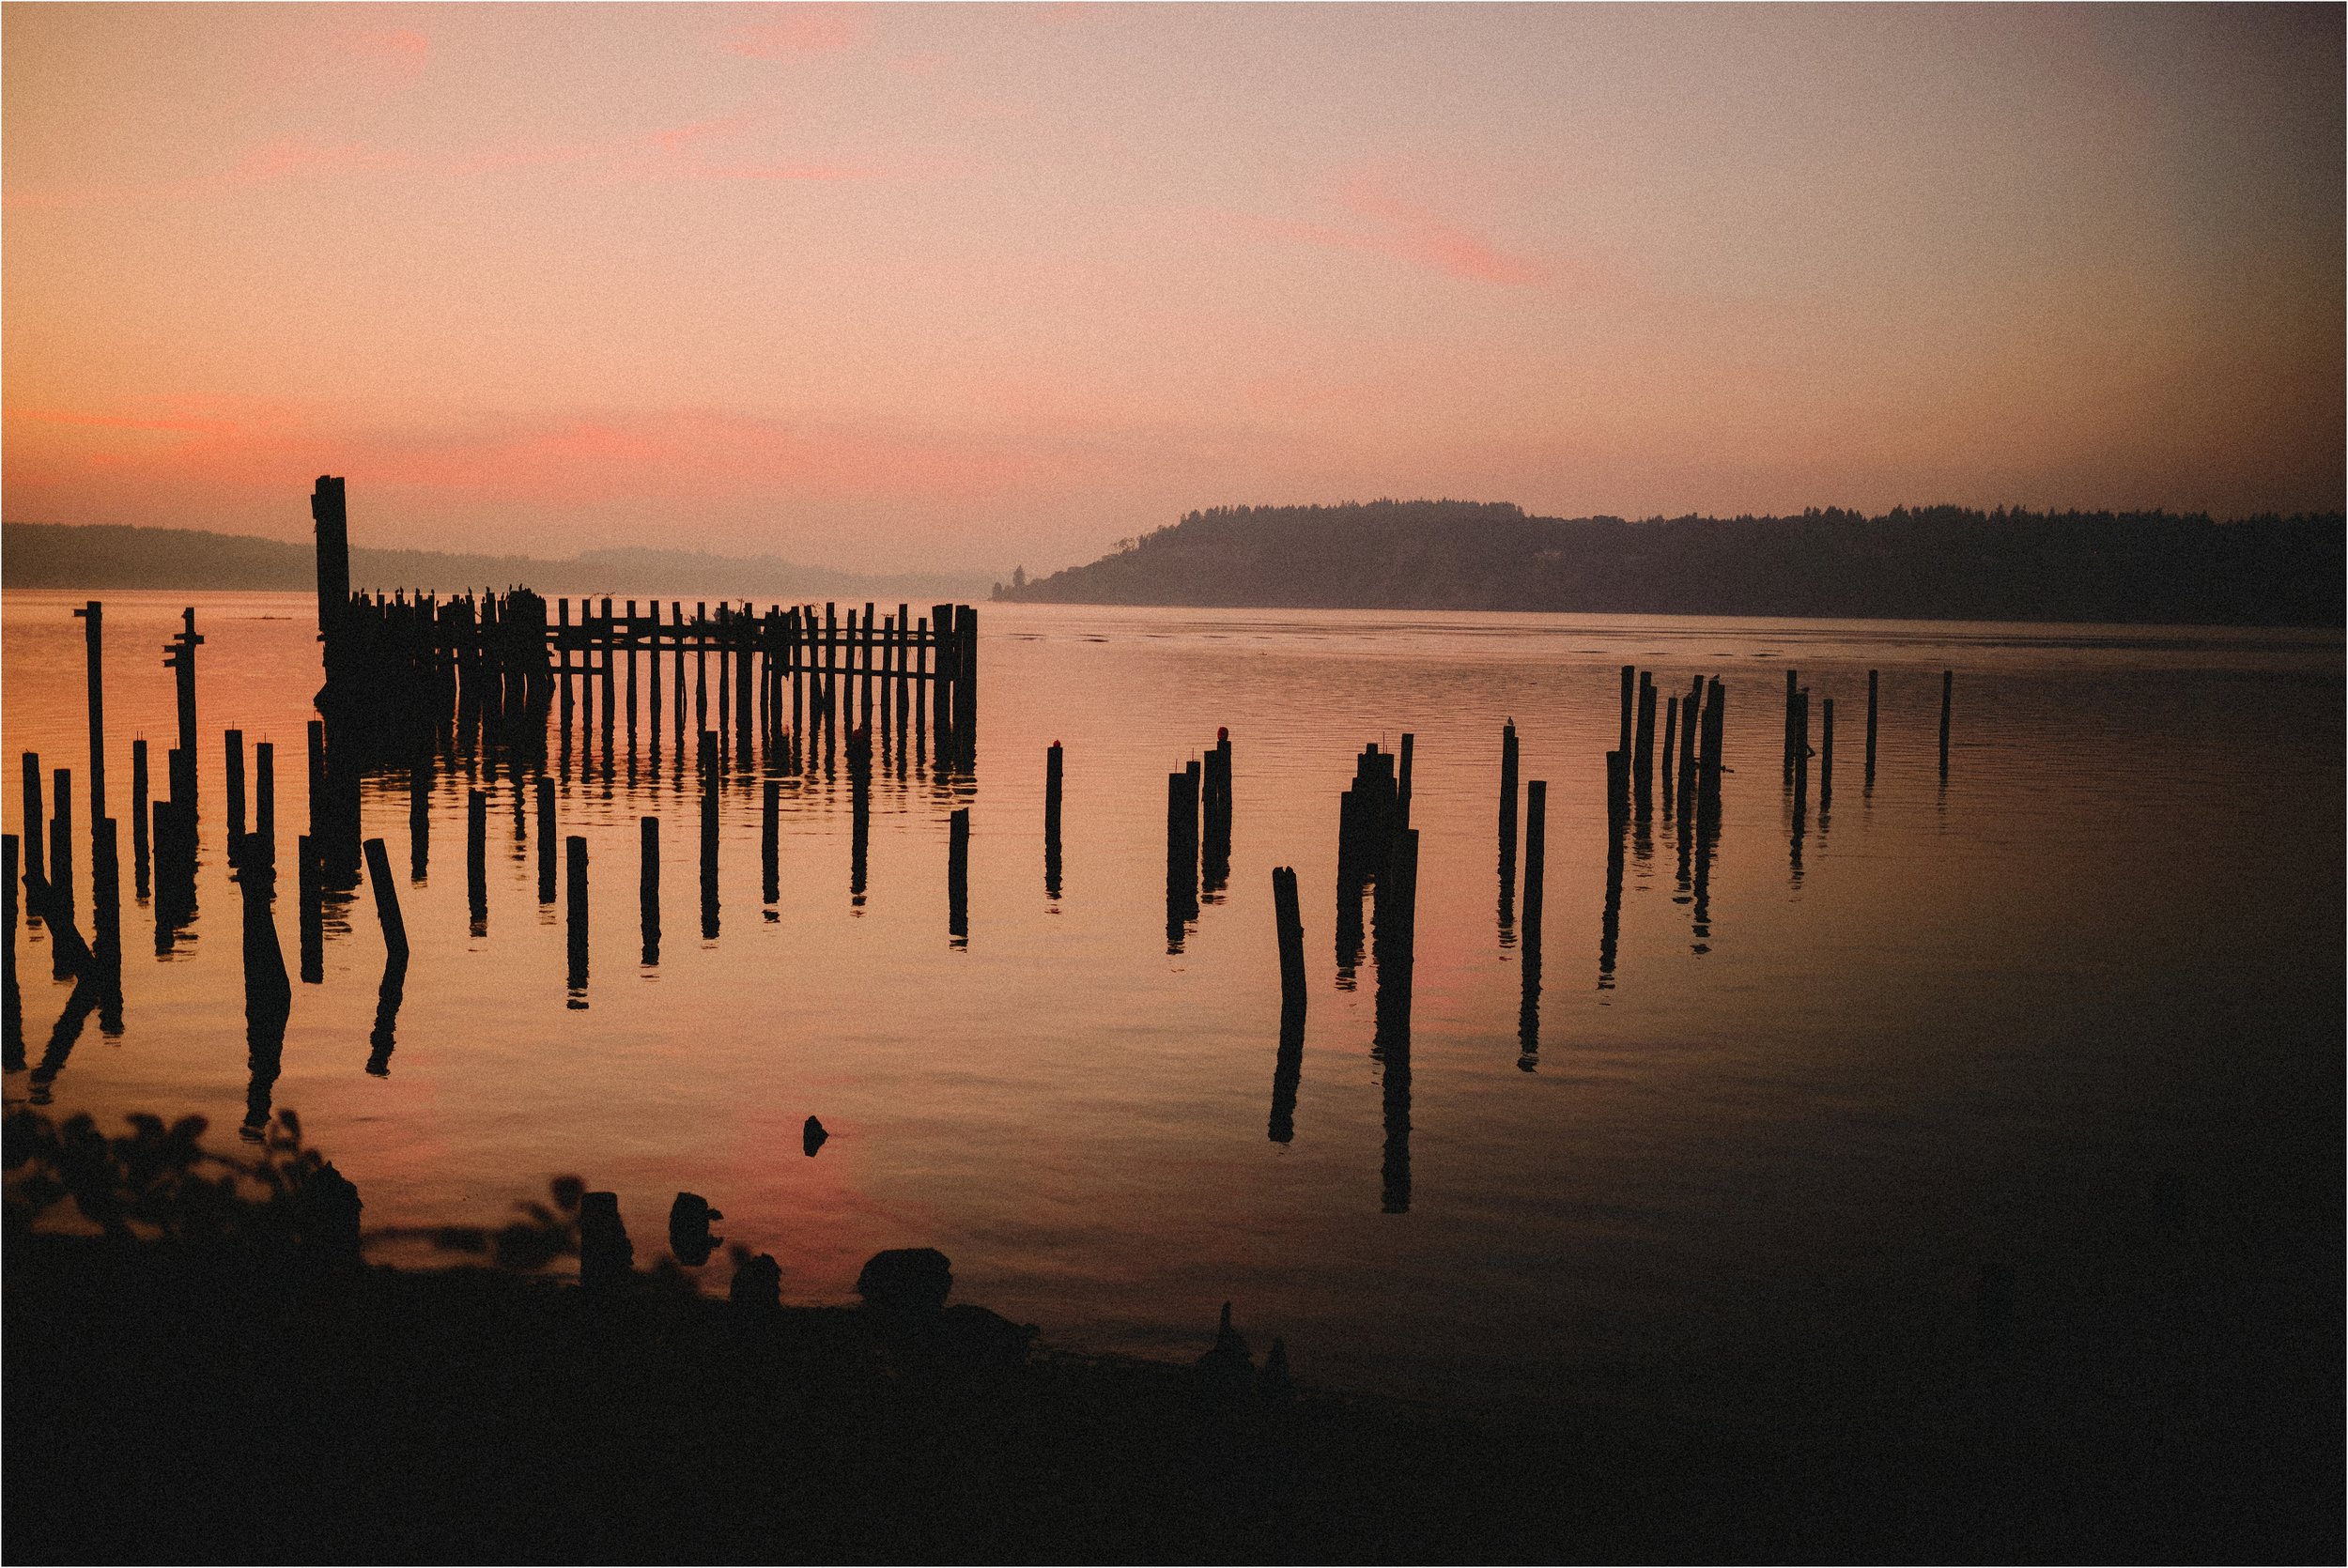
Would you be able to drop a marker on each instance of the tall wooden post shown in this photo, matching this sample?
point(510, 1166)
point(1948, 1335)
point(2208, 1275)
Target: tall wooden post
point(93, 616)
point(333, 570)
point(1947, 680)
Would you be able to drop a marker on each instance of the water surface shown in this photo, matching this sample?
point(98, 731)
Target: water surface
point(1980, 1021)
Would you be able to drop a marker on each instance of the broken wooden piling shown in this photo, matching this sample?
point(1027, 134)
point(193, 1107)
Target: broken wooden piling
point(386, 899)
point(93, 615)
point(575, 915)
point(648, 885)
point(1289, 929)
point(1871, 729)
point(1947, 680)
point(1051, 820)
point(958, 876)
point(545, 840)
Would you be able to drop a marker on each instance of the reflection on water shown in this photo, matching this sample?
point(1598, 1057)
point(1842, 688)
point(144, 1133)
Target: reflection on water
point(1832, 1060)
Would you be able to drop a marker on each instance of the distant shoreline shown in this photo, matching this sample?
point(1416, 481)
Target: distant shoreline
point(100, 556)
point(1936, 563)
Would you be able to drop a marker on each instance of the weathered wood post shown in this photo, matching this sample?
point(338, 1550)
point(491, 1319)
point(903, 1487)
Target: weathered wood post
point(545, 840)
point(1791, 687)
point(1947, 680)
point(1871, 729)
point(264, 840)
point(1529, 997)
point(958, 876)
point(1402, 780)
point(1826, 761)
point(707, 754)
point(770, 842)
point(1630, 702)
point(1642, 748)
point(11, 997)
point(93, 616)
point(1289, 921)
point(648, 882)
point(61, 857)
point(234, 775)
point(35, 853)
point(477, 859)
point(1051, 821)
point(575, 915)
point(312, 914)
point(329, 514)
point(1667, 771)
point(386, 899)
point(1508, 816)
point(181, 656)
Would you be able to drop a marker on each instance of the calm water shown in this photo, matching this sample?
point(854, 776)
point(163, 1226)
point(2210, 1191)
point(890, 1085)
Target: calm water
point(1974, 1026)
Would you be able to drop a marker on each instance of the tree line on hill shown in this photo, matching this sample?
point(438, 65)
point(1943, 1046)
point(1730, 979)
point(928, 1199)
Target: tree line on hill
point(1939, 562)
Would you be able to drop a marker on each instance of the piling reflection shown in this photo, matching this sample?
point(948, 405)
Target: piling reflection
point(268, 996)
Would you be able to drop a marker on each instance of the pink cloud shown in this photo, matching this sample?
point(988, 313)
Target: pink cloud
point(1411, 232)
point(819, 29)
point(400, 53)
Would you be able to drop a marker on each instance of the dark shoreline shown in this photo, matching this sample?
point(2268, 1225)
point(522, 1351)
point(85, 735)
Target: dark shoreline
point(168, 1404)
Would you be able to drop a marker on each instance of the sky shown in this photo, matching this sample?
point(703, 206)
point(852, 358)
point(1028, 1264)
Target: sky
point(967, 286)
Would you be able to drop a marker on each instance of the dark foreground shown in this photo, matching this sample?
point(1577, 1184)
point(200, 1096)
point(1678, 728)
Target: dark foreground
point(169, 1405)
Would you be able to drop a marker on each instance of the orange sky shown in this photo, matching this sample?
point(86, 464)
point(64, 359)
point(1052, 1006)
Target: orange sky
point(964, 286)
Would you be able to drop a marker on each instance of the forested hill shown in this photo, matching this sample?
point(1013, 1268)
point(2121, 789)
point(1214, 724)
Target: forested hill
point(1935, 563)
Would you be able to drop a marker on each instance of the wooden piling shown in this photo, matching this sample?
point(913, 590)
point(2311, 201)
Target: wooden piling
point(1826, 758)
point(1535, 854)
point(958, 876)
point(770, 842)
point(648, 880)
point(1871, 729)
point(139, 840)
point(386, 901)
point(545, 840)
point(93, 615)
point(1052, 771)
point(61, 852)
point(264, 798)
point(1402, 780)
point(234, 772)
point(11, 998)
point(1617, 787)
point(1642, 748)
point(477, 857)
point(1947, 680)
point(1800, 734)
point(35, 857)
point(1508, 790)
point(1667, 771)
point(575, 910)
point(1792, 684)
point(1289, 923)
point(313, 917)
point(1629, 704)
point(181, 656)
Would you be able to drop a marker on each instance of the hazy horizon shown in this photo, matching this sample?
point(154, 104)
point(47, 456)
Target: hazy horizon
point(957, 288)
